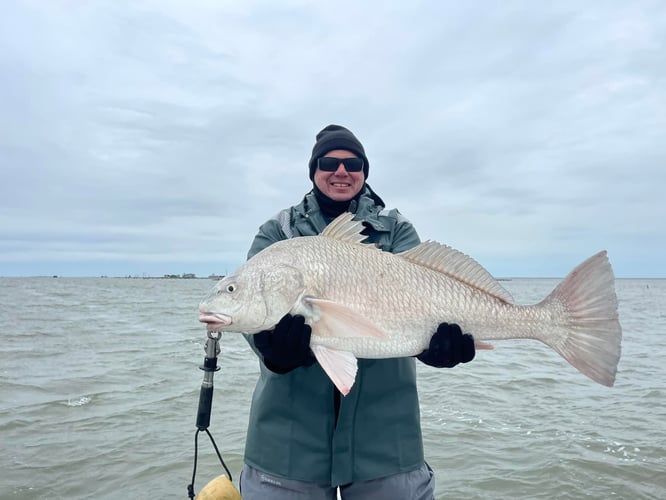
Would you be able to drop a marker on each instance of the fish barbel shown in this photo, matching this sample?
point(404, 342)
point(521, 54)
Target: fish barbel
point(365, 303)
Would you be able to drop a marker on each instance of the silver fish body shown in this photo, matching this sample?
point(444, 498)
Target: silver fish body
point(365, 303)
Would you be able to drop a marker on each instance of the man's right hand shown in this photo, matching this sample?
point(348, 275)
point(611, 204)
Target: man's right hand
point(287, 346)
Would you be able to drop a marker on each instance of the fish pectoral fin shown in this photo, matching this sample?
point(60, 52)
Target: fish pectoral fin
point(337, 320)
point(340, 366)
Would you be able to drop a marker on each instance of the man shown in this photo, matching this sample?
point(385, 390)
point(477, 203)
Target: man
point(305, 439)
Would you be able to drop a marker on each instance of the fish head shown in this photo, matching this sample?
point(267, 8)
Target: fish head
point(253, 299)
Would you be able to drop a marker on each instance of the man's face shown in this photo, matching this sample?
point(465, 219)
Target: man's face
point(339, 185)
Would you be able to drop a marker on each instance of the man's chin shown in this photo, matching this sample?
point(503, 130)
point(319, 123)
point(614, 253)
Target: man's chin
point(341, 194)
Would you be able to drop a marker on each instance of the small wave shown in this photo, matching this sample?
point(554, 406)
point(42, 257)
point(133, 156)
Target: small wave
point(83, 400)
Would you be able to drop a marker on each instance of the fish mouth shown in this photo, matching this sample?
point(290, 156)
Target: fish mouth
point(214, 322)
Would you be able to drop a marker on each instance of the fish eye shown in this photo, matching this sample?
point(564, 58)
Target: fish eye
point(229, 288)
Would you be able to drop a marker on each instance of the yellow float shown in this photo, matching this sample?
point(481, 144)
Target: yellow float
point(219, 488)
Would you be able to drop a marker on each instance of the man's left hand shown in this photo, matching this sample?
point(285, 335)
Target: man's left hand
point(448, 347)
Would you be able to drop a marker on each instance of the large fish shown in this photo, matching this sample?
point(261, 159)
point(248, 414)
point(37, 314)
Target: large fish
point(366, 303)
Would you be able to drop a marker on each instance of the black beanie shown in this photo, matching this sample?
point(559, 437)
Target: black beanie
point(336, 137)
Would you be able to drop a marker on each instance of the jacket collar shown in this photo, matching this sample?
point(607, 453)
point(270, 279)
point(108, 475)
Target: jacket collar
point(366, 209)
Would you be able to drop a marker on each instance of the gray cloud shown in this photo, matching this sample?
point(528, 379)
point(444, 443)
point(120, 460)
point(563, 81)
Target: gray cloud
point(141, 137)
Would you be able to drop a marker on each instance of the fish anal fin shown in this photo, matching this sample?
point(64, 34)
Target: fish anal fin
point(340, 366)
point(455, 264)
point(332, 319)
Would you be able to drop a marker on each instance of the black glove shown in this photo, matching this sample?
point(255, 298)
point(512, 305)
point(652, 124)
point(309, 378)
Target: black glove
point(448, 347)
point(287, 346)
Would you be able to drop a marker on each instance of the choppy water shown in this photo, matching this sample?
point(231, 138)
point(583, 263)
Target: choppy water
point(99, 387)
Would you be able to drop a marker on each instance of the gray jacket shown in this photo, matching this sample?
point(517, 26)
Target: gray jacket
point(294, 431)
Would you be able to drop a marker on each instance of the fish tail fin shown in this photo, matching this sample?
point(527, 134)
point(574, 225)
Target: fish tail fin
point(590, 334)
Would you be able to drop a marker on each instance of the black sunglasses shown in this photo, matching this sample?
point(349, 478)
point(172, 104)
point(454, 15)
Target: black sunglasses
point(329, 164)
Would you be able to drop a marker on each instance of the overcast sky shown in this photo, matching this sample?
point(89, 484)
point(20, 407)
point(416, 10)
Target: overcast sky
point(153, 137)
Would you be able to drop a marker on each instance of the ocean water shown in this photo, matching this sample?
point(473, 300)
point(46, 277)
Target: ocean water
point(100, 379)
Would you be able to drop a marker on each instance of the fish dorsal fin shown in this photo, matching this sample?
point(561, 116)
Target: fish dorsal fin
point(457, 265)
point(343, 228)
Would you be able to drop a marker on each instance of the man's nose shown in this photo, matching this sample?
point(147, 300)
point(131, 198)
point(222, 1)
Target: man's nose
point(341, 169)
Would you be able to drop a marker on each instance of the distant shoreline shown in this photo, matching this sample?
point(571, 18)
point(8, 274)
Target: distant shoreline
point(129, 277)
point(219, 277)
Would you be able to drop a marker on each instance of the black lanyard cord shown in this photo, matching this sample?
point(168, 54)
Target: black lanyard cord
point(205, 405)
